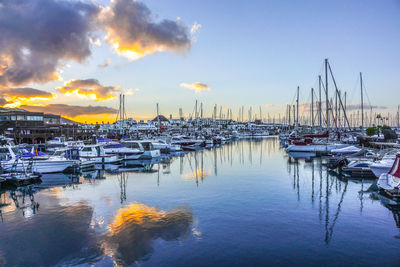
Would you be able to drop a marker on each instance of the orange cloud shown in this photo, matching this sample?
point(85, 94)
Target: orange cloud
point(196, 87)
point(70, 110)
point(89, 88)
point(15, 97)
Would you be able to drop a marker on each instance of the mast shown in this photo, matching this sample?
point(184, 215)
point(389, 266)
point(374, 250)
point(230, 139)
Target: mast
point(297, 107)
point(327, 97)
point(362, 103)
point(312, 107)
point(289, 106)
point(158, 120)
point(320, 101)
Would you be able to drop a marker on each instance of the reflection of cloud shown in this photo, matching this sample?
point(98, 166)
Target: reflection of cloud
point(196, 174)
point(196, 87)
point(14, 97)
point(70, 110)
point(136, 226)
point(90, 88)
point(133, 33)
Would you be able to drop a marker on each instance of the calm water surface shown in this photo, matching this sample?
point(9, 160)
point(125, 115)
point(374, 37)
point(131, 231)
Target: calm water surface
point(245, 203)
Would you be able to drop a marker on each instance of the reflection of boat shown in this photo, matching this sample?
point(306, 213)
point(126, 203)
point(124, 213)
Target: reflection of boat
point(19, 178)
point(57, 179)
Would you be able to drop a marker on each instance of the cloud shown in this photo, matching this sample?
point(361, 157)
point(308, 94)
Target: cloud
point(269, 105)
point(70, 110)
point(37, 37)
point(15, 97)
point(3, 102)
point(133, 33)
point(105, 64)
point(349, 107)
point(89, 88)
point(358, 106)
point(195, 27)
point(196, 87)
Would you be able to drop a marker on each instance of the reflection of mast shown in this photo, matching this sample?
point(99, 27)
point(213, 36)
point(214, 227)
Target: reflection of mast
point(215, 162)
point(327, 208)
point(337, 213)
point(312, 183)
point(122, 179)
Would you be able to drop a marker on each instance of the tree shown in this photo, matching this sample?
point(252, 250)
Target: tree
point(370, 131)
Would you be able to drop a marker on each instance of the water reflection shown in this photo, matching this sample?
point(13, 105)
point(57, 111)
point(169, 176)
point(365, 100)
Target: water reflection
point(327, 187)
point(126, 215)
point(133, 229)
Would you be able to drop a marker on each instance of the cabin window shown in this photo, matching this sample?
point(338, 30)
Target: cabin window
point(87, 149)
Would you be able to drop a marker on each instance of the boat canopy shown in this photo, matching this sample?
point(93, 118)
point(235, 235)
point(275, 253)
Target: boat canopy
point(395, 170)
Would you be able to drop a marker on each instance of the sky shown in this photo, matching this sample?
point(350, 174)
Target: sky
point(74, 58)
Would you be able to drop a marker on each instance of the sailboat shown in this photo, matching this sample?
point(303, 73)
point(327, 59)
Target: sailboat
point(388, 183)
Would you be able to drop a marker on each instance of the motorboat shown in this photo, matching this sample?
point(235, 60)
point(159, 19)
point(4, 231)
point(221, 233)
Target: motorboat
point(19, 178)
point(122, 151)
point(384, 165)
point(146, 147)
point(165, 147)
point(318, 149)
point(347, 150)
point(40, 164)
point(73, 154)
point(97, 154)
point(186, 143)
point(358, 169)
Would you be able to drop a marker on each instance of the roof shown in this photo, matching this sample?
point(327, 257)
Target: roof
point(161, 117)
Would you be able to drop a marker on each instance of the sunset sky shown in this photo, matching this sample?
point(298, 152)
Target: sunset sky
point(74, 58)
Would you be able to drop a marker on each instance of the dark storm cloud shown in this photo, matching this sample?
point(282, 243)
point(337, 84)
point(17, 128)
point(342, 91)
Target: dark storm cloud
point(70, 110)
point(131, 30)
point(38, 35)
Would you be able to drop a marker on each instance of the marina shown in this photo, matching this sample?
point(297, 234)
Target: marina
point(199, 133)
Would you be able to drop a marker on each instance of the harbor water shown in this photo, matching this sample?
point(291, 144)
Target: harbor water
point(245, 203)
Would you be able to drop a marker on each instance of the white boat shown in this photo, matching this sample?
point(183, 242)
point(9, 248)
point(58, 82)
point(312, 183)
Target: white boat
point(146, 147)
point(390, 182)
point(186, 143)
point(73, 154)
point(383, 166)
point(319, 149)
point(97, 154)
point(165, 147)
point(348, 150)
point(42, 164)
point(122, 151)
point(55, 143)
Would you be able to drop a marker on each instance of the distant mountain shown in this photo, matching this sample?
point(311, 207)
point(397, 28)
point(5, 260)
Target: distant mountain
point(68, 121)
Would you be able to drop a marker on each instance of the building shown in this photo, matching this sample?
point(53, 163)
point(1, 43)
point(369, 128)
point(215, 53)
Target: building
point(37, 127)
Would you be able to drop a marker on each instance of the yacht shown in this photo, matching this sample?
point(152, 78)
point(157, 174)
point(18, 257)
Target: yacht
point(384, 165)
point(146, 147)
point(40, 164)
point(97, 154)
point(122, 151)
